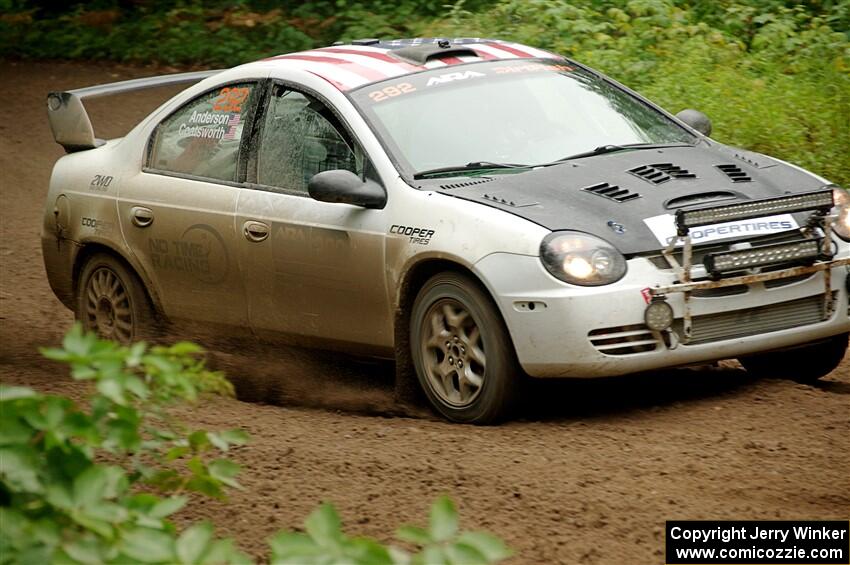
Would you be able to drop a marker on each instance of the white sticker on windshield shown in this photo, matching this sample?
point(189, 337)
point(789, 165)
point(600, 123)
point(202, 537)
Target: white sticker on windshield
point(664, 228)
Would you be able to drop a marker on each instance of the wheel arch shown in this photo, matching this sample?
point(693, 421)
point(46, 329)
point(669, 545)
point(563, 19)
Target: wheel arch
point(90, 249)
point(415, 277)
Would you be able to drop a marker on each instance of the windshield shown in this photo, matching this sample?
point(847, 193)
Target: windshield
point(506, 112)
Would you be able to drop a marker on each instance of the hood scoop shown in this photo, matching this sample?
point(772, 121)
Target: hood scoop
point(735, 173)
point(701, 198)
point(612, 192)
point(658, 173)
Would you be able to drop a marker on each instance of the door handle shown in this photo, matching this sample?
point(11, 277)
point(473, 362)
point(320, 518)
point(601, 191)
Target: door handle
point(142, 217)
point(255, 231)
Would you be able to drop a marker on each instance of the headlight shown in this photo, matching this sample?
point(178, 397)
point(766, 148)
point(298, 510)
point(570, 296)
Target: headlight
point(582, 259)
point(842, 210)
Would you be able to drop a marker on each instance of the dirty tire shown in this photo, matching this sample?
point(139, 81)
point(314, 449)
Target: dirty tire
point(804, 364)
point(462, 353)
point(111, 301)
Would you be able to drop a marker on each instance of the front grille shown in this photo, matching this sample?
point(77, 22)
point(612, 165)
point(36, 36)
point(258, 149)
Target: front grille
point(753, 321)
point(720, 292)
point(623, 340)
point(779, 283)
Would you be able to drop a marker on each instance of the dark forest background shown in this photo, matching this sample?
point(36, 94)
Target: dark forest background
point(773, 75)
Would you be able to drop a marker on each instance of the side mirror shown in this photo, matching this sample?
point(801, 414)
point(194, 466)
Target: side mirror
point(696, 120)
point(344, 187)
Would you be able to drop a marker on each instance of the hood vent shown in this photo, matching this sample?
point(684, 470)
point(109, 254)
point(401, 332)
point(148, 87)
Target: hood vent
point(658, 173)
point(466, 183)
point(612, 192)
point(513, 202)
point(734, 173)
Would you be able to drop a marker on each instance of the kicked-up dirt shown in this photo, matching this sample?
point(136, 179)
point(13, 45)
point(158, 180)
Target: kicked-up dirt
point(588, 474)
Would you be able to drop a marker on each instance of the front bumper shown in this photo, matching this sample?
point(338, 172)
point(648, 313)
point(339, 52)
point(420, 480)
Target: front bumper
point(560, 330)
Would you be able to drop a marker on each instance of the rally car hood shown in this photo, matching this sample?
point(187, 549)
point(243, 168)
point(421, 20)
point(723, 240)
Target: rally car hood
point(610, 195)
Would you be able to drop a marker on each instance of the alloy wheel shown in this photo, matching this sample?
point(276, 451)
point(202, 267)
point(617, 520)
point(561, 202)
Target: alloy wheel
point(107, 306)
point(453, 352)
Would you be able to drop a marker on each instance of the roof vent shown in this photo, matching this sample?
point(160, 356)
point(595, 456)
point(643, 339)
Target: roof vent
point(658, 173)
point(734, 172)
point(367, 41)
point(421, 54)
point(612, 192)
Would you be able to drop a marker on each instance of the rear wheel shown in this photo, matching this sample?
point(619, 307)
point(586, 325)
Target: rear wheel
point(802, 364)
point(112, 302)
point(464, 358)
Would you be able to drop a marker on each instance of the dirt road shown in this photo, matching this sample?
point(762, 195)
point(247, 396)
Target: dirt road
point(588, 475)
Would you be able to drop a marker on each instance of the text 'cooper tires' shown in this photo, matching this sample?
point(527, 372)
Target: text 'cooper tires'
point(802, 364)
point(461, 350)
point(111, 301)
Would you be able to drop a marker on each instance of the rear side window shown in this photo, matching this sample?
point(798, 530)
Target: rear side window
point(202, 138)
point(300, 137)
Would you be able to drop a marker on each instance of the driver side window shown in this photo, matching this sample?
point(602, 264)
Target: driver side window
point(300, 137)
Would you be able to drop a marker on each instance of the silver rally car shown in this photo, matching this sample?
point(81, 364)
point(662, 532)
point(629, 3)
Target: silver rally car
point(477, 209)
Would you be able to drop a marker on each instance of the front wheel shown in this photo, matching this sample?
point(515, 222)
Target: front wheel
point(111, 301)
point(804, 364)
point(464, 358)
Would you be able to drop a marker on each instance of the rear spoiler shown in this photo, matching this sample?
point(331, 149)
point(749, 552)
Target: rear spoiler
point(70, 122)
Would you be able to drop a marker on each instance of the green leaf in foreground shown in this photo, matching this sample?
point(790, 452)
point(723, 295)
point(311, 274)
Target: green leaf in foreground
point(9, 393)
point(490, 546)
point(324, 525)
point(148, 545)
point(194, 542)
point(443, 523)
point(413, 534)
point(62, 504)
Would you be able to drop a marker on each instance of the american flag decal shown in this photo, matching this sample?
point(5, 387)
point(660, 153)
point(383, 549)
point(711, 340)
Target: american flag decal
point(232, 124)
point(351, 66)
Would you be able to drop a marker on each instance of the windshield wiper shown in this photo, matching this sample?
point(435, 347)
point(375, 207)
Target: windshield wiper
point(473, 166)
point(602, 149)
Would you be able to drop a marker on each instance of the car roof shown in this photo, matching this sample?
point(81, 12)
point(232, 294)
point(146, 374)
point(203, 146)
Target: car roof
point(364, 61)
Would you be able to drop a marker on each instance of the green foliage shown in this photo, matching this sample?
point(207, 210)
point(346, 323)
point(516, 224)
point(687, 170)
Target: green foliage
point(441, 544)
point(96, 484)
point(62, 503)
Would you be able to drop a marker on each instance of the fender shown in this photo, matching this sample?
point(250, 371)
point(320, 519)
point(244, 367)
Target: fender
point(90, 246)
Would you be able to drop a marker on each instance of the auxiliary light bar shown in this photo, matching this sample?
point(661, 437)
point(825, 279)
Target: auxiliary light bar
point(798, 252)
point(821, 200)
